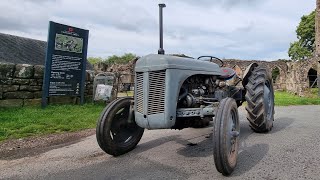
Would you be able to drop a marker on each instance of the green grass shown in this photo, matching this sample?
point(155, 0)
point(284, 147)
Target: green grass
point(313, 93)
point(32, 121)
point(124, 94)
point(286, 99)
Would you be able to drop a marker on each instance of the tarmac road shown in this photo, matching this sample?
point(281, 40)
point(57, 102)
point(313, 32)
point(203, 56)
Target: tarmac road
point(290, 151)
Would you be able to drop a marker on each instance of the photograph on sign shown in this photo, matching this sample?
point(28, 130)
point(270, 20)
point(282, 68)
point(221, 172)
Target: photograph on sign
point(68, 43)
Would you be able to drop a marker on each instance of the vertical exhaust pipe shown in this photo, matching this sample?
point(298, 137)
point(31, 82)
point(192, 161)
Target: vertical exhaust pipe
point(161, 6)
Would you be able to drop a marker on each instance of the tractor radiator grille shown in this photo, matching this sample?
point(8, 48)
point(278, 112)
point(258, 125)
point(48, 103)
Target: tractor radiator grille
point(139, 91)
point(156, 92)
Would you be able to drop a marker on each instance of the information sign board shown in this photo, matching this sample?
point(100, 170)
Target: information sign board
point(65, 62)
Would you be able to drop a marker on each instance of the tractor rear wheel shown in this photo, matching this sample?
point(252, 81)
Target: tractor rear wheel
point(117, 132)
point(260, 100)
point(226, 136)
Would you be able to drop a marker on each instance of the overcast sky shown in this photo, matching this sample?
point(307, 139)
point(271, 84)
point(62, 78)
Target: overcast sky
point(241, 29)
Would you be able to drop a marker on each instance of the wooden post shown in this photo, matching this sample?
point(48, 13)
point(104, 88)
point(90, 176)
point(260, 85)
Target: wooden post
point(317, 41)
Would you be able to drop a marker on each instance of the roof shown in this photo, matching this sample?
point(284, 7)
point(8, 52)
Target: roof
point(21, 50)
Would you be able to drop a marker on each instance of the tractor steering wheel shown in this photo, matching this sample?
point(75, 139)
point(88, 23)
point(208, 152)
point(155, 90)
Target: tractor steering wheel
point(212, 58)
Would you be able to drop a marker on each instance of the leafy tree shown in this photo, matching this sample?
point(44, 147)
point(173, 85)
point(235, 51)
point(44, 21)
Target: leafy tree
point(114, 59)
point(304, 47)
point(120, 59)
point(95, 60)
point(298, 52)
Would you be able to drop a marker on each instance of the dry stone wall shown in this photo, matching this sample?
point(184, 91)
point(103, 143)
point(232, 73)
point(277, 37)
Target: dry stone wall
point(21, 85)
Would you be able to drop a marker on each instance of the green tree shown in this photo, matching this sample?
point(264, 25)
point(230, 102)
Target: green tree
point(95, 60)
point(114, 59)
point(120, 59)
point(304, 47)
point(298, 52)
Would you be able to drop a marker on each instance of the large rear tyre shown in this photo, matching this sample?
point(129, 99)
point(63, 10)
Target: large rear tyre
point(226, 136)
point(116, 132)
point(260, 98)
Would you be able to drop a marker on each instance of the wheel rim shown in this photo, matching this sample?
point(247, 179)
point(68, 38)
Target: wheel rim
point(122, 130)
point(268, 101)
point(232, 138)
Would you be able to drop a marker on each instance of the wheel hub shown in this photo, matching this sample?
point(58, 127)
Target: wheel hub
point(121, 130)
point(268, 101)
point(232, 137)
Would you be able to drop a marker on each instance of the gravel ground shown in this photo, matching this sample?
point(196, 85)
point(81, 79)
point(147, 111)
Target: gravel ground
point(31, 146)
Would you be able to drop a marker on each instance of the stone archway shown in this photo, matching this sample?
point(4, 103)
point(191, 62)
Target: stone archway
point(275, 74)
point(312, 77)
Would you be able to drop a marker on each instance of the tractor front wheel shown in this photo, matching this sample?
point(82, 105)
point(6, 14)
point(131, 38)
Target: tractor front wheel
point(226, 136)
point(117, 132)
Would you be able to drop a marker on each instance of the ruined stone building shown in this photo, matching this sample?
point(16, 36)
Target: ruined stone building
point(296, 77)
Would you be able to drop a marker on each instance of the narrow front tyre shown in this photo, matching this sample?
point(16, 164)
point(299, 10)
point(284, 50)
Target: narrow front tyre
point(226, 136)
point(117, 132)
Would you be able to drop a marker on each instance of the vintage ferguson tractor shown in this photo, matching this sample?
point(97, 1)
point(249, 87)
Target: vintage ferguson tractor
point(175, 93)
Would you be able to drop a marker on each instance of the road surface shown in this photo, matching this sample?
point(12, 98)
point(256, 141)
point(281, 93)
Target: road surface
point(290, 151)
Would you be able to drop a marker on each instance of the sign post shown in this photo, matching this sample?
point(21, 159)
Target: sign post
point(65, 62)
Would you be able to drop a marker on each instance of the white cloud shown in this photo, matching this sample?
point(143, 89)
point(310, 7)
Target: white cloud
point(245, 29)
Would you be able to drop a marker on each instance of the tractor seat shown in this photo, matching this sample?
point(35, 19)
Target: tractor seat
point(227, 73)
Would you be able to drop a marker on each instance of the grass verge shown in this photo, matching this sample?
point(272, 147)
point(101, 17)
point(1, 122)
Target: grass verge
point(283, 98)
point(32, 121)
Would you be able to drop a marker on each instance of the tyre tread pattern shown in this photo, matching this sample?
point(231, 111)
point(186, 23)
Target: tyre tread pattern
point(219, 151)
point(255, 100)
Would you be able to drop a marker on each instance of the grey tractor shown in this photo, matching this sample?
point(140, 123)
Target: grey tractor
point(178, 92)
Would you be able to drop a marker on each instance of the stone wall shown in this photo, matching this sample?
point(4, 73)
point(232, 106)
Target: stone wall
point(21, 85)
